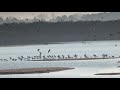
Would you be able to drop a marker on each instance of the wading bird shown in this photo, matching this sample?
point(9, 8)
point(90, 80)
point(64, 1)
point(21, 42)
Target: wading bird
point(39, 53)
point(75, 56)
point(95, 56)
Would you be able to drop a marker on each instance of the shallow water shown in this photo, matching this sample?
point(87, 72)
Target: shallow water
point(79, 48)
point(83, 68)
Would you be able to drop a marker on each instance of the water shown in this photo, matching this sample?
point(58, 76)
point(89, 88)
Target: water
point(82, 68)
point(90, 48)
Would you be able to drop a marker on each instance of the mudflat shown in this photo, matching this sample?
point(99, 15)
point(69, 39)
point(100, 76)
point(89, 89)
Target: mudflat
point(107, 73)
point(33, 70)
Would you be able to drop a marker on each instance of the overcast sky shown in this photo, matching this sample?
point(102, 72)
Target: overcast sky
point(31, 15)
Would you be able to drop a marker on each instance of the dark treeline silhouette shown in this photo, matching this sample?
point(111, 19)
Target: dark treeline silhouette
point(49, 32)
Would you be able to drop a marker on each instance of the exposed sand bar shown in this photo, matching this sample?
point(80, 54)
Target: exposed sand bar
point(33, 70)
point(74, 59)
point(107, 74)
point(117, 73)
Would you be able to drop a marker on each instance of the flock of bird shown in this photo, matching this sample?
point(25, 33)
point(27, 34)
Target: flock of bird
point(57, 57)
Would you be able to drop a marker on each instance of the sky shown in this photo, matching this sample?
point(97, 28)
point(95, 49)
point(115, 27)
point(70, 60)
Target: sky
point(31, 15)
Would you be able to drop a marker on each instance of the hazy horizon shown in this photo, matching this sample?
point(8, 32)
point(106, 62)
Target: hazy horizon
point(31, 15)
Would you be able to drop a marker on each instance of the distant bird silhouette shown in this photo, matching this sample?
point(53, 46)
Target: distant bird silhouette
point(94, 55)
point(10, 58)
point(63, 56)
point(49, 50)
point(59, 57)
point(38, 50)
point(75, 56)
point(112, 56)
point(44, 57)
point(69, 57)
point(85, 56)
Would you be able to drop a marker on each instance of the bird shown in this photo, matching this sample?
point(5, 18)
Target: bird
point(38, 50)
point(48, 50)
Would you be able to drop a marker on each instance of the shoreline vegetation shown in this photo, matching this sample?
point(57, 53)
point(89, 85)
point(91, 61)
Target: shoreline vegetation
point(46, 32)
point(33, 70)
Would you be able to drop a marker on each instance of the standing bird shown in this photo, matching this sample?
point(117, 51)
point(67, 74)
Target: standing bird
point(75, 56)
point(94, 55)
point(39, 53)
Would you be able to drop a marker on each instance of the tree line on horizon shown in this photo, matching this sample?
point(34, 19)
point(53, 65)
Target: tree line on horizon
point(47, 32)
point(65, 18)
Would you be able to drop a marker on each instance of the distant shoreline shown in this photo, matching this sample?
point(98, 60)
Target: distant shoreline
point(49, 43)
point(45, 33)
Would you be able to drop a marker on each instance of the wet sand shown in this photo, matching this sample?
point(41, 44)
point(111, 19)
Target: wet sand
point(107, 74)
point(33, 70)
